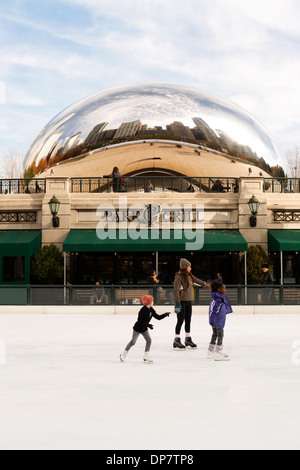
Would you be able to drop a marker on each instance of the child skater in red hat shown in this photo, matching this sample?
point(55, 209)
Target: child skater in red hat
point(141, 327)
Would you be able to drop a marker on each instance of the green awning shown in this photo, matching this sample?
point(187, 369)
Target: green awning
point(20, 242)
point(284, 240)
point(214, 240)
point(224, 240)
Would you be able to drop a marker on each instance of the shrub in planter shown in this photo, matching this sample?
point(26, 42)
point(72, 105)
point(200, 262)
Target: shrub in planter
point(256, 257)
point(47, 266)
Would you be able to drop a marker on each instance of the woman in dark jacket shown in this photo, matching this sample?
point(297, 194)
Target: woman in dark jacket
point(116, 176)
point(267, 278)
point(183, 296)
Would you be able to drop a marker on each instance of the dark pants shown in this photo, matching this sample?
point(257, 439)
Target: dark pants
point(267, 296)
point(217, 337)
point(116, 185)
point(135, 336)
point(184, 316)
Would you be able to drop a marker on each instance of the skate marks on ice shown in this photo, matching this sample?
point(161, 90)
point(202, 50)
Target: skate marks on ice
point(63, 386)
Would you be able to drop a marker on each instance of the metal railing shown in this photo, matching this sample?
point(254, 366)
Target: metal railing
point(150, 184)
point(281, 185)
point(24, 186)
point(131, 295)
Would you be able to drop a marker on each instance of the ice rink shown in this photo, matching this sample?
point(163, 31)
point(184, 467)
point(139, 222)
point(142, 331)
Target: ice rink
point(63, 386)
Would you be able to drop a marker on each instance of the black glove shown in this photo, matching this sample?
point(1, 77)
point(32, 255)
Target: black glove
point(150, 326)
point(177, 308)
point(167, 314)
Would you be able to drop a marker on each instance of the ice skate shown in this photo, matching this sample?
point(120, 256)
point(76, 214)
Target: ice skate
point(220, 355)
point(178, 344)
point(189, 343)
point(123, 356)
point(147, 358)
point(211, 351)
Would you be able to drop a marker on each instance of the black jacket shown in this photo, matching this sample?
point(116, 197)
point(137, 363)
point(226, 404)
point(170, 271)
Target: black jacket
point(144, 318)
point(267, 278)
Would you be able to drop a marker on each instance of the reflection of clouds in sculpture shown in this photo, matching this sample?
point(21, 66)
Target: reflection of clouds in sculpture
point(49, 132)
point(156, 105)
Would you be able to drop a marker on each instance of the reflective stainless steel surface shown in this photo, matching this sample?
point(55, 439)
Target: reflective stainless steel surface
point(151, 111)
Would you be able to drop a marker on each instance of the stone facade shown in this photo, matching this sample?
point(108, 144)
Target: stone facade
point(221, 210)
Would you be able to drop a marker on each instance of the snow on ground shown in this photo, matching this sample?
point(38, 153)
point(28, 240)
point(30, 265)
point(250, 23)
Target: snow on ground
point(63, 386)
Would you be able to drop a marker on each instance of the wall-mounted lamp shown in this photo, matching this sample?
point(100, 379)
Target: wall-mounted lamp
point(253, 204)
point(54, 207)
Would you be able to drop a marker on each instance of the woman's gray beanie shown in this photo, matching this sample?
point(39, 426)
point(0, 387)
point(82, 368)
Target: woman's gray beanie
point(184, 263)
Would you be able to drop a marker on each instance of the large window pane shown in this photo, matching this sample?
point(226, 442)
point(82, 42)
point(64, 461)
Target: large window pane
point(13, 268)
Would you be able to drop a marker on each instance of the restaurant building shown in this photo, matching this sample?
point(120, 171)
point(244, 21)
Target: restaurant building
point(143, 176)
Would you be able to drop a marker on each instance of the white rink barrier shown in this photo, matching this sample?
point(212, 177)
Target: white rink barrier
point(133, 309)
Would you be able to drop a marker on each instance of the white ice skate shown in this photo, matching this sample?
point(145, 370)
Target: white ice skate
point(220, 355)
point(123, 356)
point(211, 351)
point(147, 358)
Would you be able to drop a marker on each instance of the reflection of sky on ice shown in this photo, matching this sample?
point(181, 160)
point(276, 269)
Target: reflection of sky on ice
point(160, 105)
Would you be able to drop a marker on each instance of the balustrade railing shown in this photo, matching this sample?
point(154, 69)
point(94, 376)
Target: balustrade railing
point(282, 185)
point(165, 184)
point(157, 184)
point(26, 186)
point(131, 295)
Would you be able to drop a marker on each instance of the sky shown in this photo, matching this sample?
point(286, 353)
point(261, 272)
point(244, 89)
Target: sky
point(56, 52)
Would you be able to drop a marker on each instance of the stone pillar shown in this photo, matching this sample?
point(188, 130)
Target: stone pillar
point(253, 235)
point(60, 187)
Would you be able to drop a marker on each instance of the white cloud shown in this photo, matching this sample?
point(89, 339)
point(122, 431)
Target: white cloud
point(245, 51)
point(22, 97)
point(68, 65)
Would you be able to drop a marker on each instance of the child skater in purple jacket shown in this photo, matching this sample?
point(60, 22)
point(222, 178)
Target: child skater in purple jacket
point(218, 309)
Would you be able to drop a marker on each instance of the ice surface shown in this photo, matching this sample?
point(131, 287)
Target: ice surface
point(63, 386)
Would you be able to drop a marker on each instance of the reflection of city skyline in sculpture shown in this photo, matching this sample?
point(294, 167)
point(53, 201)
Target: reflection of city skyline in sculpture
point(167, 112)
point(201, 133)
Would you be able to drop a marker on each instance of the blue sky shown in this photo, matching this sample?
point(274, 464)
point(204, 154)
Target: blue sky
point(55, 52)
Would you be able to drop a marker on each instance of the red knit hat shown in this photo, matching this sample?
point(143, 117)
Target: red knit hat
point(147, 299)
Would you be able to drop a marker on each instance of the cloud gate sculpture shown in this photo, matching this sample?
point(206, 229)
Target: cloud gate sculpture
point(152, 129)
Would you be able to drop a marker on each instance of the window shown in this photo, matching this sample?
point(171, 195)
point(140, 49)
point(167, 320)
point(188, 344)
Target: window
point(13, 268)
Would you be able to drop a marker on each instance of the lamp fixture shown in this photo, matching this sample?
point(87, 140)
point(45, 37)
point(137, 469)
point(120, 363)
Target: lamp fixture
point(54, 207)
point(253, 204)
